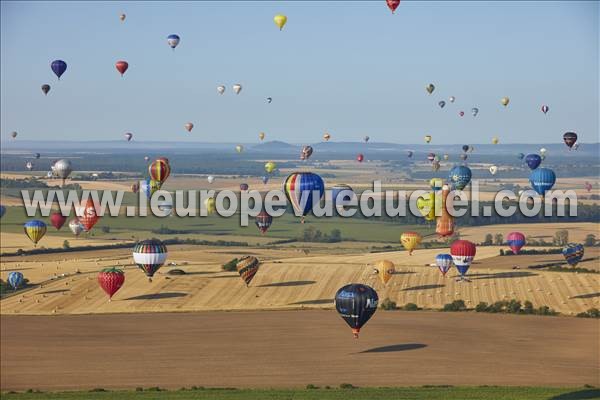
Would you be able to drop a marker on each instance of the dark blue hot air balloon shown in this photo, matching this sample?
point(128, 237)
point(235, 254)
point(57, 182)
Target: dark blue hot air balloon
point(459, 177)
point(533, 161)
point(264, 179)
point(542, 180)
point(15, 279)
point(573, 253)
point(58, 67)
point(356, 304)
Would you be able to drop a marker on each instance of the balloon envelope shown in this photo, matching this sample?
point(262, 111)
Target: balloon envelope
point(459, 177)
point(301, 189)
point(573, 253)
point(58, 67)
point(356, 303)
point(533, 161)
point(35, 230)
point(515, 240)
point(542, 180)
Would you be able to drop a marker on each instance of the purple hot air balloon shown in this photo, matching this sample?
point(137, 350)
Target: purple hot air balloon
point(58, 67)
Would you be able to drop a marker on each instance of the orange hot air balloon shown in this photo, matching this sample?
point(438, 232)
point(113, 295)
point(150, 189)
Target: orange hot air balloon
point(159, 170)
point(88, 215)
point(385, 269)
point(444, 224)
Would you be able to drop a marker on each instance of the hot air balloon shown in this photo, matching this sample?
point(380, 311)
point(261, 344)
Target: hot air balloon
point(244, 187)
point(150, 255)
point(392, 4)
point(122, 17)
point(385, 269)
point(521, 156)
point(247, 267)
point(366, 139)
point(430, 88)
point(37, 156)
point(360, 158)
point(436, 183)
point(341, 193)
point(189, 126)
point(542, 180)
point(474, 111)
point(264, 179)
point(306, 152)
point(300, 189)
point(62, 168)
point(88, 215)
point(533, 161)
point(410, 241)
point(237, 88)
point(493, 169)
point(431, 157)
point(441, 103)
point(75, 226)
point(15, 279)
point(146, 158)
point(135, 187)
point(149, 187)
point(122, 66)
point(545, 109)
point(29, 165)
point(504, 101)
point(2, 211)
point(111, 280)
point(57, 220)
point(45, 89)
point(426, 206)
point(444, 224)
point(13, 134)
point(588, 186)
point(280, 21)
point(263, 221)
point(409, 153)
point(515, 240)
point(444, 263)
point(211, 205)
point(159, 170)
point(570, 138)
point(270, 167)
point(356, 303)
point(261, 136)
point(573, 253)
point(427, 138)
point(269, 100)
point(128, 136)
point(495, 140)
point(463, 252)
point(461, 113)
point(221, 89)
point(459, 177)
point(465, 148)
point(446, 157)
point(326, 136)
point(35, 230)
point(173, 40)
point(452, 99)
point(210, 179)
point(543, 150)
point(239, 148)
point(58, 67)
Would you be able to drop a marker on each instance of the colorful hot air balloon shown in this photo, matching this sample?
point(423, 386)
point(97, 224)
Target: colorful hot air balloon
point(326, 136)
point(247, 267)
point(444, 263)
point(301, 188)
point(88, 215)
point(545, 109)
point(515, 240)
point(244, 187)
point(573, 253)
point(57, 220)
point(111, 280)
point(441, 103)
point(356, 303)
point(221, 89)
point(533, 161)
point(189, 126)
point(427, 138)
point(122, 66)
point(306, 152)
point(461, 113)
point(570, 139)
point(385, 269)
point(280, 21)
point(261, 136)
point(444, 224)
point(392, 4)
point(237, 88)
point(263, 221)
point(122, 17)
point(360, 158)
point(15, 279)
point(173, 40)
point(430, 88)
point(150, 255)
point(542, 180)
point(459, 177)
point(58, 67)
point(504, 101)
point(270, 167)
point(128, 136)
point(149, 187)
point(35, 230)
point(76, 227)
point(463, 252)
point(45, 89)
point(431, 157)
point(410, 241)
point(426, 206)
point(62, 169)
point(159, 170)
point(341, 193)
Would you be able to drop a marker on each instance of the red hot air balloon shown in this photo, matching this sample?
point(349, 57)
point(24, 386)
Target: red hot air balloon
point(360, 158)
point(89, 215)
point(462, 113)
point(588, 187)
point(392, 4)
point(159, 170)
point(111, 280)
point(463, 252)
point(570, 139)
point(263, 221)
point(122, 66)
point(57, 220)
point(515, 241)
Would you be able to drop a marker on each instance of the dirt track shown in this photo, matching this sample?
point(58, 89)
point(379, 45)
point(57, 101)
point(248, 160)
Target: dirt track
point(294, 348)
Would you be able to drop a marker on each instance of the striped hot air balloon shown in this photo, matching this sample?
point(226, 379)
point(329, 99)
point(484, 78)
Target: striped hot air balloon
point(111, 280)
point(263, 221)
point(150, 255)
point(300, 189)
point(573, 253)
point(159, 170)
point(410, 241)
point(515, 240)
point(463, 252)
point(35, 230)
point(15, 279)
point(443, 262)
point(247, 267)
point(88, 215)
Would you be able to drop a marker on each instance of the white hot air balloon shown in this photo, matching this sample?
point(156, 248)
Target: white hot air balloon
point(493, 169)
point(221, 89)
point(452, 99)
point(62, 169)
point(237, 88)
point(210, 179)
point(29, 165)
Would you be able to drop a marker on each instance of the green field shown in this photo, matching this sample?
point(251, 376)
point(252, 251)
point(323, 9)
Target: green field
point(431, 393)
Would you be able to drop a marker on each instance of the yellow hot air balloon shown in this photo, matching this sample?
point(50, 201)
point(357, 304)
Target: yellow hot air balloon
point(261, 136)
point(326, 136)
point(495, 140)
point(270, 167)
point(410, 241)
point(280, 20)
point(239, 148)
point(427, 138)
point(35, 230)
point(504, 101)
point(426, 206)
point(211, 205)
point(385, 269)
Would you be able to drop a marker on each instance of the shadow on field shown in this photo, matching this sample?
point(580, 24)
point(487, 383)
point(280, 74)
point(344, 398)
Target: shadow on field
point(586, 296)
point(403, 272)
point(158, 296)
point(15, 269)
point(223, 276)
point(287, 284)
point(580, 394)
point(395, 347)
point(502, 275)
point(317, 301)
point(55, 291)
point(423, 287)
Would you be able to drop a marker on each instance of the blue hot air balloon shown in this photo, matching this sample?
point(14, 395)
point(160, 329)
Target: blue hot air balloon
point(443, 262)
point(2, 211)
point(15, 279)
point(459, 177)
point(573, 253)
point(299, 188)
point(542, 180)
point(520, 156)
point(264, 179)
point(173, 40)
point(58, 67)
point(533, 161)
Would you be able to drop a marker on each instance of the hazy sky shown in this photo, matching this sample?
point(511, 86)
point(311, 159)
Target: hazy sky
point(349, 68)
